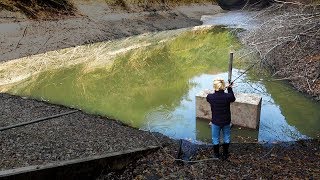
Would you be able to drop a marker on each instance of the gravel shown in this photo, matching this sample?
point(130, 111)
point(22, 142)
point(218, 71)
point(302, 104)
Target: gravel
point(68, 137)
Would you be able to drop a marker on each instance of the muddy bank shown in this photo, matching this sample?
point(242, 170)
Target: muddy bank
point(20, 37)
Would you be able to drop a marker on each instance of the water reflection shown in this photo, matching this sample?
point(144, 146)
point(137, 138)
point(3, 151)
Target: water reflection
point(181, 123)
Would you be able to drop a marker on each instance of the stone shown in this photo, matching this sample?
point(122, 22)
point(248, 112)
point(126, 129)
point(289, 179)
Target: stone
point(245, 111)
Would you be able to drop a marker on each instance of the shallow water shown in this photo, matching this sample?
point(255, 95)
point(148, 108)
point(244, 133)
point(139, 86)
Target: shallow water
point(232, 19)
point(153, 88)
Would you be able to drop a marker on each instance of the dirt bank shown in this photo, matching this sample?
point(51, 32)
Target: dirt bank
point(20, 37)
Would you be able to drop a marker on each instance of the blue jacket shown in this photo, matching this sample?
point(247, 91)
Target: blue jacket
point(220, 106)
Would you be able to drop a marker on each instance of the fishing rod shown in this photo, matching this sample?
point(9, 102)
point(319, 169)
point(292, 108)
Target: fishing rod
point(230, 69)
point(245, 71)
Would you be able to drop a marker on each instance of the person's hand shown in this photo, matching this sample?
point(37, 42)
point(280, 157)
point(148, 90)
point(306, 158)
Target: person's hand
point(230, 85)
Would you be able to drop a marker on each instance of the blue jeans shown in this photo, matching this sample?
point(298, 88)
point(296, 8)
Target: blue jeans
point(216, 134)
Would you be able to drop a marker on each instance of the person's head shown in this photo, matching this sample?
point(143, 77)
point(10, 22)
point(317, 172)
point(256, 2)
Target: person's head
point(218, 84)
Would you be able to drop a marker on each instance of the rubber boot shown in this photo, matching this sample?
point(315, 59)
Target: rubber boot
point(225, 153)
point(216, 151)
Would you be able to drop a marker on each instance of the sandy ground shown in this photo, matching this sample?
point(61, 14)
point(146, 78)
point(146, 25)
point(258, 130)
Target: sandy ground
point(20, 37)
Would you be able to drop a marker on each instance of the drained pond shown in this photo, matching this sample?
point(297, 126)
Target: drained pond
point(150, 82)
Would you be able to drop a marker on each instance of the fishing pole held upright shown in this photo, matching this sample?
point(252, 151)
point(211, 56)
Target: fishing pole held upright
point(230, 67)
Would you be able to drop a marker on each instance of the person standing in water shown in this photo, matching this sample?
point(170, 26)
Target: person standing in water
point(221, 116)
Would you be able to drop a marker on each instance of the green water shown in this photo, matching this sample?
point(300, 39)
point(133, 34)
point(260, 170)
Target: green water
point(138, 81)
point(299, 110)
point(154, 87)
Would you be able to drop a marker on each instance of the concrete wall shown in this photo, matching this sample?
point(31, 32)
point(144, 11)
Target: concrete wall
point(245, 111)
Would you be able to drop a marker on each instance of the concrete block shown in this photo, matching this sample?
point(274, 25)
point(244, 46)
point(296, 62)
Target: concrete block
point(245, 111)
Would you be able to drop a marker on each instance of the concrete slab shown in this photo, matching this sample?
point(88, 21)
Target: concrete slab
point(245, 111)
